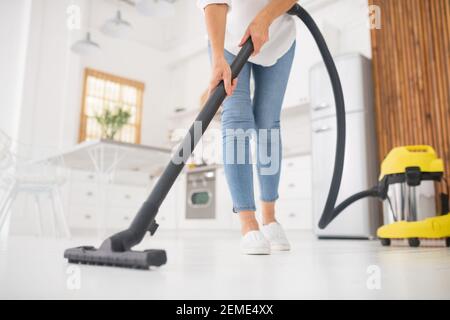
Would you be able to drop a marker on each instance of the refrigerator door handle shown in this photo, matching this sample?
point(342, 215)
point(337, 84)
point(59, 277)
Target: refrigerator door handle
point(322, 129)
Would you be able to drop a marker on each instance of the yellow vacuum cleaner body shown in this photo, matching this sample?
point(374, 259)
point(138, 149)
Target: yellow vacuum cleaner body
point(410, 166)
point(430, 232)
point(403, 159)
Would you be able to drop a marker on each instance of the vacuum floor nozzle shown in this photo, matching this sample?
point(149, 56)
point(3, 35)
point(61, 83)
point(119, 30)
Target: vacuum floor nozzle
point(127, 259)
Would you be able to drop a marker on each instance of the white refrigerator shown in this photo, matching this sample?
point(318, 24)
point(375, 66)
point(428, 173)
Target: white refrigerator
point(362, 218)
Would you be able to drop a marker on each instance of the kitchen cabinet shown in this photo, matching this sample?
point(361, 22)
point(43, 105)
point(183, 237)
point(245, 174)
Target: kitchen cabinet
point(293, 208)
point(83, 216)
point(124, 201)
point(224, 204)
point(120, 217)
point(294, 213)
point(170, 208)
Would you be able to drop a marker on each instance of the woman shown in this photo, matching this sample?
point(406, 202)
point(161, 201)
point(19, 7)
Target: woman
point(229, 24)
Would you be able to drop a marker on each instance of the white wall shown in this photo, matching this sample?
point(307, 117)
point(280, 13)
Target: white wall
point(189, 67)
point(140, 63)
point(44, 91)
point(350, 19)
point(14, 19)
point(137, 61)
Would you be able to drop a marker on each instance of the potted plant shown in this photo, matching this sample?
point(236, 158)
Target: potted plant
point(112, 121)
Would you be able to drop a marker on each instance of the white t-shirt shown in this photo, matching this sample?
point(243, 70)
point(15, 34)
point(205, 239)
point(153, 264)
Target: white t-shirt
point(282, 31)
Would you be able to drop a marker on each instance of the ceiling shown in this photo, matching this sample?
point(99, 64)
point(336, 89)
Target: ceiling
point(187, 24)
point(158, 33)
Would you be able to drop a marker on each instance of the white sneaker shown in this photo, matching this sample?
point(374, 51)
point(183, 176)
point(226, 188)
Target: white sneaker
point(275, 234)
point(253, 242)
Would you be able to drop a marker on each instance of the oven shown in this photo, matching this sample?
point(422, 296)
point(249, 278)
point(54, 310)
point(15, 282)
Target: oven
point(201, 194)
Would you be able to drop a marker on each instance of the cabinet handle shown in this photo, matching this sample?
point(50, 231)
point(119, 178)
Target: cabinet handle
point(89, 193)
point(127, 196)
point(126, 218)
point(321, 106)
point(87, 216)
point(292, 215)
point(291, 185)
point(322, 129)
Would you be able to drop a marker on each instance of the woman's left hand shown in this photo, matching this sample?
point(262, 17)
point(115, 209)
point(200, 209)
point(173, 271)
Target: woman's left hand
point(258, 30)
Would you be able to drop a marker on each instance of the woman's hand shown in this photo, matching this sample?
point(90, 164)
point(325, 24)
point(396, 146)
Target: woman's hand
point(258, 30)
point(216, 17)
point(221, 71)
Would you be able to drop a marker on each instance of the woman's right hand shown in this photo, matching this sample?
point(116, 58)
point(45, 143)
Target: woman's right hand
point(221, 71)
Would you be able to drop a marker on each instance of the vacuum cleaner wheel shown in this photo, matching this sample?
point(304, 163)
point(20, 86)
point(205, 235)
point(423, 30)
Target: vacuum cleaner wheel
point(414, 242)
point(126, 259)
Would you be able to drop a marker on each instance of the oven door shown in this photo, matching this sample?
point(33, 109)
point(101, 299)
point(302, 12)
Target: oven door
point(200, 199)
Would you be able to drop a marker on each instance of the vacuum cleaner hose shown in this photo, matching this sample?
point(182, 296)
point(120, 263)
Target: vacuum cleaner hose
point(357, 196)
point(126, 239)
point(116, 250)
point(329, 212)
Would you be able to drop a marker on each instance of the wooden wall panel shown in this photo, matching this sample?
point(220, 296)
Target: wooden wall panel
point(411, 64)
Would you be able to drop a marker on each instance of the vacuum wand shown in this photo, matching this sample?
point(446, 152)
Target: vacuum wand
point(116, 250)
point(146, 215)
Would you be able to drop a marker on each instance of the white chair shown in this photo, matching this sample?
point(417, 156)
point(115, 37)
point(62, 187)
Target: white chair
point(22, 173)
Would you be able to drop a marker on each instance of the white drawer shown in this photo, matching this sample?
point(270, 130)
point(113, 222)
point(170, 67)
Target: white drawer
point(120, 217)
point(294, 214)
point(292, 164)
point(295, 185)
point(166, 220)
point(167, 214)
point(126, 195)
point(85, 194)
point(83, 217)
point(83, 176)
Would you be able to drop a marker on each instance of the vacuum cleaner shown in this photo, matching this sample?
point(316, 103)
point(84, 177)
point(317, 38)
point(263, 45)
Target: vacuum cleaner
point(117, 249)
point(407, 168)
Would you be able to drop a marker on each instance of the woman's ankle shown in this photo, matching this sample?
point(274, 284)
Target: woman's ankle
point(268, 212)
point(269, 220)
point(248, 221)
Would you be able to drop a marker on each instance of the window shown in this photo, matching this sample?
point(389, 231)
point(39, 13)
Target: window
point(102, 92)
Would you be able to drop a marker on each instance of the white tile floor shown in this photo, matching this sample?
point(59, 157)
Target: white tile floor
point(207, 265)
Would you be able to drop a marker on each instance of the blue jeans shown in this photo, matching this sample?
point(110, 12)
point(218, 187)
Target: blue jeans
point(243, 119)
